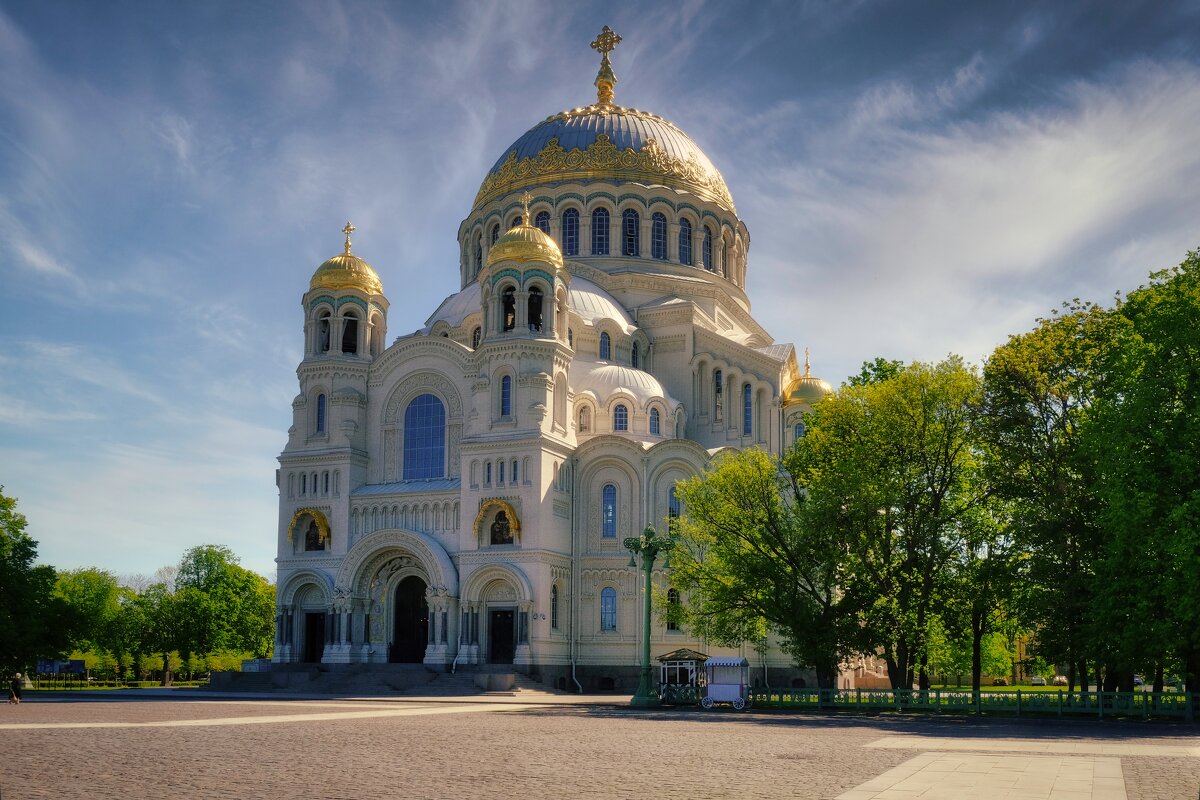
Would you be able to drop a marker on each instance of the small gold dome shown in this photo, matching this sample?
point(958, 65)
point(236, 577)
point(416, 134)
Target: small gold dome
point(346, 271)
point(525, 243)
point(808, 388)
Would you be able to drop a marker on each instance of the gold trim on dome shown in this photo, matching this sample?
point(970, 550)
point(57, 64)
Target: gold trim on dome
point(318, 517)
point(603, 159)
point(525, 243)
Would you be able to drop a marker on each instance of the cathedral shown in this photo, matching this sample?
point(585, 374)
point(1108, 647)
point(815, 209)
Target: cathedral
point(459, 497)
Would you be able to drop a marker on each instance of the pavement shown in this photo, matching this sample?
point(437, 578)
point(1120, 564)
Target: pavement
point(532, 745)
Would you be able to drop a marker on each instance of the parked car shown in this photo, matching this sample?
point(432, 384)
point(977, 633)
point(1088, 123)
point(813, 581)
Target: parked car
point(1059, 680)
point(1037, 680)
point(999, 682)
point(1138, 680)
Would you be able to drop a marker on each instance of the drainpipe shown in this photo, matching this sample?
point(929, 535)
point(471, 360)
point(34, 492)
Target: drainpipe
point(575, 588)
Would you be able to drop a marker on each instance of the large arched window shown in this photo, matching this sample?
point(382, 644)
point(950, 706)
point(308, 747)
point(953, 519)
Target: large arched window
point(542, 221)
point(608, 512)
point(718, 396)
point(535, 309)
point(320, 413)
point(508, 310)
point(747, 410)
point(605, 346)
point(655, 422)
point(685, 242)
point(495, 233)
point(570, 232)
point(658, 236)
point(706, 249)
point(424, 438)
point(608, 609)
point(631, 237)
point(506, 396)
point(350, 334)
point(600, 235)
point(620, 418)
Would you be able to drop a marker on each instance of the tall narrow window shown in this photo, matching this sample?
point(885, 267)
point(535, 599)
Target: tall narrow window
point(620, 418)
point(608, 609)
point(658, 236)
point(475, 335)
point(350, 334)
point(673, 609)
point(424, 438)
point(608, 512)
point(718, 396)
point(634, 356)
point(487, 474)
point(747, 410)
point(508, 310)
point(478, 255)
point(542, 222)
point(570, 232)
point(500, 476)
point(506, 396)
point(495, 233)
point(585, 420)
point(655, 422)
point(535, 309)
point(323, 332)
point(554, 607)
point(685, 242)
point(570, 337)
point(673, 507)
point(304, 484)
point(798, 431)
point(631, 236)
point(320, 413)
point(605, 346)
point(515, 479)
point(706, 249)
point(600, 232)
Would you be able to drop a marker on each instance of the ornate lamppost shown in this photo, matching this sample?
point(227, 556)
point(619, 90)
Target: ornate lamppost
point(649, 545)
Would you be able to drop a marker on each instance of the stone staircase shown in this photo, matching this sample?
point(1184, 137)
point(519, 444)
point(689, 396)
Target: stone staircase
point(381, 680)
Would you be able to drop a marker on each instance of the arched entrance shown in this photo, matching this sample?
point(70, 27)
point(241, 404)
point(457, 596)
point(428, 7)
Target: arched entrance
point(411, 622)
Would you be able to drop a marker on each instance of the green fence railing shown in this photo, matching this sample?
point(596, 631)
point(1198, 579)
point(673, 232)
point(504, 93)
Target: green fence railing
point(1145, 705)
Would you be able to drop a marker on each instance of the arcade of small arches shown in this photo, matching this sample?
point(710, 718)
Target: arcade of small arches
point(336, 327)
point(745, 414)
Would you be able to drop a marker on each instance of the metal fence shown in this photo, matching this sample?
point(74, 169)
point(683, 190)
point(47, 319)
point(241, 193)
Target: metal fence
point(1143, 705)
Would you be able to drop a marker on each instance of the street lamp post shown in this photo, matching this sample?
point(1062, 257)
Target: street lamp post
point(649, 545)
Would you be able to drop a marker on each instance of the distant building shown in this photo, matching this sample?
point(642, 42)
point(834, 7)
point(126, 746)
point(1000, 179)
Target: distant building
point(461, 494)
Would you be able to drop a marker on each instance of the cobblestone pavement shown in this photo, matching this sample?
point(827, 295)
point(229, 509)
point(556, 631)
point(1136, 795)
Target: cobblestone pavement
point(531, 749)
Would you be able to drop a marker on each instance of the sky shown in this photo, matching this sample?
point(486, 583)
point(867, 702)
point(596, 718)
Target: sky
point(918, 179)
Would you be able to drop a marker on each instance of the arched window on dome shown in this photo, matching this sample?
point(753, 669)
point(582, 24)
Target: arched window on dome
point(718, 396)
point(478, 255)
point(535, 309)
point(508, 310)
point(600, 234)
point(424, 438)
point(506, 396)
point(585, 420)
point(608, 512)
point(655, 422)
point(516, 221)
point(747, 410)
point(620, 417)
point(320, 413)
point(350, 333)
point(635, 356)
point(725, 258)
point(658, 236)
point(631, 237)
point(475, 336)
point(323, 327)
point(570, 232)
point(542, 222)
point(495, 233)
point(706, 252)
point(685, 242)
point(605, 346)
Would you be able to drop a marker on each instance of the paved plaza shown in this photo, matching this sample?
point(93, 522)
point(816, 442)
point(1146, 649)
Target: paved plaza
point(536, 745)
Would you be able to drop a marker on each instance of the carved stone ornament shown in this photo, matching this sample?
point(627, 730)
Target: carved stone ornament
point(411, 386)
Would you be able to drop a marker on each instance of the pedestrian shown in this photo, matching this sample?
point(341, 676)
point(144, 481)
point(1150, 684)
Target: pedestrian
point(14, 690)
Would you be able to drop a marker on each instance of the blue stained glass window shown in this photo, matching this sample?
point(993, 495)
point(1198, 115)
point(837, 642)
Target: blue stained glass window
point(631, 236)
point(605, 346)
point(685, 242)
point(424, 438)
point(570, 232)
point(658, 236)
point(608, 609)
point(320, 413)
point(654, 422)
point(747, 410)
point(600, 232)
point(608, 512)
point(542, 221)
point(799, 430)
point(706, 253)
point(620, 418)
point(506, 396)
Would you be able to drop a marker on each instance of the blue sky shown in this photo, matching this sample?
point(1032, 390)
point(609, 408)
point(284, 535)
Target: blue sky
point(917, 178)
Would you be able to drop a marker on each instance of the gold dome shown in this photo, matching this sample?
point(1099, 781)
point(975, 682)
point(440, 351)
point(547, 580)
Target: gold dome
point(808, 389)
point(525, 243)
point(346, 271)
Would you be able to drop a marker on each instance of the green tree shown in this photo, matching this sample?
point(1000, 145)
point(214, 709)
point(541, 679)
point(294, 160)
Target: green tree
point(93, 597)
point(221, 605)
point(876, 371)
point(33, 620)
point(751, 561)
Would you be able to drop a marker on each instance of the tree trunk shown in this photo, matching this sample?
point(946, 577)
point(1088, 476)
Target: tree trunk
point(976, 650)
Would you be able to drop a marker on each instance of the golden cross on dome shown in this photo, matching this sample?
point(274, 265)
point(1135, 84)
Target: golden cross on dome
point(605, 43)
point(349, 229)
point(526, 199)
point(806, 368)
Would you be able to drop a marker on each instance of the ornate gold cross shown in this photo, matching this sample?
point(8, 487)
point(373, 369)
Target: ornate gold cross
point(349, 229)
point(526, 199)
point(606, 79)
point(606, 42)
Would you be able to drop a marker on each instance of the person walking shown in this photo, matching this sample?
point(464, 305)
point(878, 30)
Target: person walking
point(14, 690)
